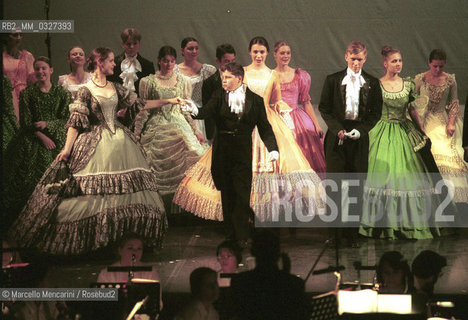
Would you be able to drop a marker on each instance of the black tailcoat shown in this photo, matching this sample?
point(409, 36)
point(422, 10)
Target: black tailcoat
point(352, 156)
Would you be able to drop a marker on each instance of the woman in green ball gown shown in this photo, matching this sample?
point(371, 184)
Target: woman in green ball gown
point(399, 196)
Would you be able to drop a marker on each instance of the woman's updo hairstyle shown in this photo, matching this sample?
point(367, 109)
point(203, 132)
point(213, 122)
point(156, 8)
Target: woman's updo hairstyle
point(437, 54)
point(387, 51)
point(184, 42)
point(99, 54)
point(280, 44)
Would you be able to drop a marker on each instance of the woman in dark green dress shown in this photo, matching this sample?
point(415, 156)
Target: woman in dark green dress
point(399, 197)
point(43, 111)
point(9, 124)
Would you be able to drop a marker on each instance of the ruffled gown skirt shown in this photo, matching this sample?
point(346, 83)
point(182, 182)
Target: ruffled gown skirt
point(448, 153)
point(399, 197)
point(114, 193)
point(288, 184)
point(309, 141)
point(172, 148)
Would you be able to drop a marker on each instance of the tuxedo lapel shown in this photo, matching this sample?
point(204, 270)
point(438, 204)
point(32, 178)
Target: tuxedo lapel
point(248, 102)
point(342, 90)
point(364, 93)
point(118, 62)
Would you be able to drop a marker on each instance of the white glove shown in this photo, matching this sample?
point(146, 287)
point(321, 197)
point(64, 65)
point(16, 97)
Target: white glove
point(190, 107)
point(273, 156)
point(353, 134)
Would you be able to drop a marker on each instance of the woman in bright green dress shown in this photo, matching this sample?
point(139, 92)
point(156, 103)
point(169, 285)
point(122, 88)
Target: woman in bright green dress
point(399, 199)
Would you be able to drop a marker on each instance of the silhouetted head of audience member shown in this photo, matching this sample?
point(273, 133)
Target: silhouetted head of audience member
point(426, 269)
point(204, 285)
point(265, 247)
point(393, 273)
point(229, 256)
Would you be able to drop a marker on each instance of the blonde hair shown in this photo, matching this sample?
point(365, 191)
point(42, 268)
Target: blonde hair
point(356, 47)
point(280, 44)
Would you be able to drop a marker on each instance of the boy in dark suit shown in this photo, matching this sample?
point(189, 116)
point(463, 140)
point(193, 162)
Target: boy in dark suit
point(350, 105)
point(236, 111)
point(130, 66)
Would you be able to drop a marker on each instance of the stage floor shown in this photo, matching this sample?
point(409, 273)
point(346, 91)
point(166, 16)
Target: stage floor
point(191, 246)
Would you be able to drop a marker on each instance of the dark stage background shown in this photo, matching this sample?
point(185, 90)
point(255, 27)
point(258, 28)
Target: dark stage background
point(318, 31)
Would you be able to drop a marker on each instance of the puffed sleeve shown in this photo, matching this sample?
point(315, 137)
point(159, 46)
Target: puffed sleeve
point(421, 100)
point(79, 110)
point(61, 80)
point(55, 127)
point(418, 81)
point(25, 112)
point(146, 92)
point(412, 86)
point(187, 93)
point(129, 100)
point(453, 106)
point(30, 66)
point(304, 86)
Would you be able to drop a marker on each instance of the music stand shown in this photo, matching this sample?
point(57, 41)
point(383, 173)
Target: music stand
point(324, 307)
point(130, 269)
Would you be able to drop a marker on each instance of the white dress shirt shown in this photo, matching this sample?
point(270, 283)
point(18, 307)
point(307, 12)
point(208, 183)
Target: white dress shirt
point(130, 66)
point(353, 82)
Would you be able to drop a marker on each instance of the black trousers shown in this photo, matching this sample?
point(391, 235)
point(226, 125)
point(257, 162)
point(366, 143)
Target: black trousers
point(235, 197)
point(350, 157)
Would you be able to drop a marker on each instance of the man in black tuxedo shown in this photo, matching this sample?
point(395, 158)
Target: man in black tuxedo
point(225, 54)
point(130, 67)
point(236, 111)
point(350, 105)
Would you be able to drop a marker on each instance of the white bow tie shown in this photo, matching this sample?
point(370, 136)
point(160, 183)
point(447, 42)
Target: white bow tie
point(351, 78)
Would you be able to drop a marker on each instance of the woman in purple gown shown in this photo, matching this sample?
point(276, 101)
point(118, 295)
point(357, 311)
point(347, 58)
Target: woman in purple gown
point(295, 85)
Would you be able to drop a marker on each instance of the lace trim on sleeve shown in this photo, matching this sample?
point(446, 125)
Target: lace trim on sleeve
point(453, 108)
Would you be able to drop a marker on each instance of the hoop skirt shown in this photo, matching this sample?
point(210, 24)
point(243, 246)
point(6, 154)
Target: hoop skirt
point(106, 189)
point(166, 133)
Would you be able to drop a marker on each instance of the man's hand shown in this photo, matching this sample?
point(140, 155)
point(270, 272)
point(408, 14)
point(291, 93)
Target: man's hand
point(189, 107)
point(273, 156)
point(342, 134)
point(353, 134)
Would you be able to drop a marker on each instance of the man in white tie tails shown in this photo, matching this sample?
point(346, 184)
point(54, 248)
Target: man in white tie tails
point(130, 66)
point(236, 111)
point(350, 105)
